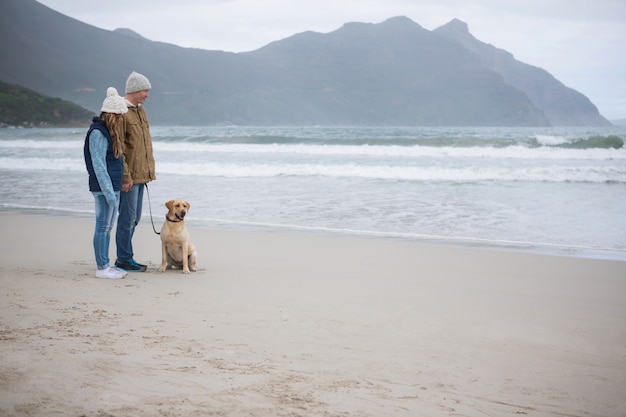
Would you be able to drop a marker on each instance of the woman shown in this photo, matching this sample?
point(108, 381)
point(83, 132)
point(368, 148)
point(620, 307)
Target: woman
point(103, 151)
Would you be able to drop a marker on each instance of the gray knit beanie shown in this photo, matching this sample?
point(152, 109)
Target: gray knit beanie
point(137, 82)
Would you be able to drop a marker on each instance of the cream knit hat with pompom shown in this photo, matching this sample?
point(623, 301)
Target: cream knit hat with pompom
point(113, 103)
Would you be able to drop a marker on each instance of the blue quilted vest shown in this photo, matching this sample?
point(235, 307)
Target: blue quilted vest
point(115, 166)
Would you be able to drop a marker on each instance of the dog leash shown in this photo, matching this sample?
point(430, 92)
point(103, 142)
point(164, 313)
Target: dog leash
point(150, 207)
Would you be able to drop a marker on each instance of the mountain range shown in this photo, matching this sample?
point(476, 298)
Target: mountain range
point(393, 73)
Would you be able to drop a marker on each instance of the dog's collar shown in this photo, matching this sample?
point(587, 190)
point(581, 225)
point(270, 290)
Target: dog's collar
point(173, 221)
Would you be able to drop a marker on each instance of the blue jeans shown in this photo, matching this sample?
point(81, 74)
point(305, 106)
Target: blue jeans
point(130, 214)
point(105, 217)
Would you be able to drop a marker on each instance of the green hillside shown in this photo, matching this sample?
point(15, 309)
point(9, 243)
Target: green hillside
point(20, 106)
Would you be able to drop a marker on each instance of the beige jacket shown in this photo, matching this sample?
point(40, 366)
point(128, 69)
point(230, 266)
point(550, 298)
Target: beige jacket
point(138, 158)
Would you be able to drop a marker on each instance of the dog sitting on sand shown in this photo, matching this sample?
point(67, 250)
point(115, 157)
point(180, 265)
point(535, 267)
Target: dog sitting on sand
point(176, 247)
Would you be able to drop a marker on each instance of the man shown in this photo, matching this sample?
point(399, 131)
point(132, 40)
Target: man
point(138, 169)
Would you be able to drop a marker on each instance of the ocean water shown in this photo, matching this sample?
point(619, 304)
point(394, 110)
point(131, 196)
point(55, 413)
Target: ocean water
point(552, 190)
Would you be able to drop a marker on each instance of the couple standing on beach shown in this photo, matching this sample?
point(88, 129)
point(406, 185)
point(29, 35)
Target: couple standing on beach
point(119, 160)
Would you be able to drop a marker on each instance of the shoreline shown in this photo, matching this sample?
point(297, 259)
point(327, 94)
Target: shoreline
point(304, 324)
point(548, 249)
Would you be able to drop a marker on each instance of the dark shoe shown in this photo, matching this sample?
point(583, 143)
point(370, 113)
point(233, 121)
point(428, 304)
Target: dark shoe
point(131, 266)
point(135, 263)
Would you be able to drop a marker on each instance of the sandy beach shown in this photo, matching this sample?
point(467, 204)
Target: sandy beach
point(292, 324)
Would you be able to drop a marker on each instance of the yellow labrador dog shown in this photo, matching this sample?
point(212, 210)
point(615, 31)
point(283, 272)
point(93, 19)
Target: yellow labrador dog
point(177, 249)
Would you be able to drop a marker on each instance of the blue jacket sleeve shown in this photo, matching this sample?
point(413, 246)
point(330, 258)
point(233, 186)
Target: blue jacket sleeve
point(98, 146)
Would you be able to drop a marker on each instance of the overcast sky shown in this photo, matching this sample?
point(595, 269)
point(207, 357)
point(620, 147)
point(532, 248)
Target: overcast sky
point(580, 42)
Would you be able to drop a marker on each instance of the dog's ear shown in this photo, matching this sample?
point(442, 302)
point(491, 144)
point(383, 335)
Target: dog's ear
point(169, 204)
point(188, 205)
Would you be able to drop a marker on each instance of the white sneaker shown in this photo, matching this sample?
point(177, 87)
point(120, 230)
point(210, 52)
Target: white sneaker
point(110, 273)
